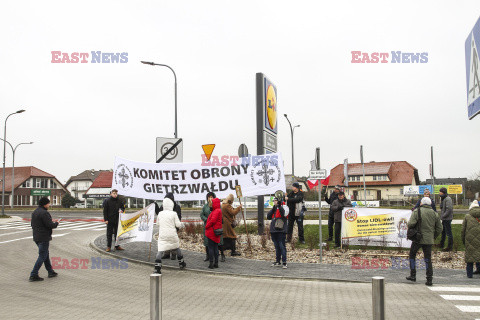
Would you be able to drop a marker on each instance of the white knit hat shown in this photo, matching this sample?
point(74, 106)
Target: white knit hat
point(426, 200)
point(473, 204)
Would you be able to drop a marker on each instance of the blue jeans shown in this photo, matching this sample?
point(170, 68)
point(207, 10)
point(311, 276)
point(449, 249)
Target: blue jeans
point(470, 268)
point(43, 257)
point(447, 231)
point(278, 239)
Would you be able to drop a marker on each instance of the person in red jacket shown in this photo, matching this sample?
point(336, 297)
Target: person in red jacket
point(214, 222)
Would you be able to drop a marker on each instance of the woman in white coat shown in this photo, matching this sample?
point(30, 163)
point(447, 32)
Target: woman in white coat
point(168, 224)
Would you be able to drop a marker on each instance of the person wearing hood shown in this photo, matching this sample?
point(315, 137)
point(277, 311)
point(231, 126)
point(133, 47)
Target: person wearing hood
point(471, 238)
point(168, 223)
point(229, 235)
point(111, 212)
point(212, 232)
point(430, 228)
point(446, 207)
point(207, 208)
point(278, 231)
point(295, 203)
point(426, 193)
point(178, 210)
point(42, 226)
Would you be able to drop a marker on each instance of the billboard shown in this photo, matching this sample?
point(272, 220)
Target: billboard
point(267, 115)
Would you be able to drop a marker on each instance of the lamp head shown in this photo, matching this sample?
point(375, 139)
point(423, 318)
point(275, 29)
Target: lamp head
point(146, 62)
point(20, 111)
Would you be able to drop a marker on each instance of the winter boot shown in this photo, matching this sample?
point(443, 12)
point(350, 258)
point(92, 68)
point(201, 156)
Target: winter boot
point(210, 266)
point(449, 246)
point(222, 257)
point(181, 263)
point(215, 265)
point(206, 256)
point(429, 282)
point(158, 267)
point(173, 255)
point(413, 275)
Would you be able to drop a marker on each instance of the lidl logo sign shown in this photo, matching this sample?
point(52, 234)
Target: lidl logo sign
point(270, 106)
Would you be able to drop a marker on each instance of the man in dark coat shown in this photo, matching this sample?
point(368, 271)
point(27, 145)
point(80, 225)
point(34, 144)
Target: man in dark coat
point(331, 221)
point(337, 208)
point(42, 226)
point(178, 210)
point(110, 215)
point(294, 203)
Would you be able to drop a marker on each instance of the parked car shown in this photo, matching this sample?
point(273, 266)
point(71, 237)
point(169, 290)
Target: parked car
point(79, 205)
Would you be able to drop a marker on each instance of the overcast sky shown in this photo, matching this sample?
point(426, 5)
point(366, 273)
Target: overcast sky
point(80, 116)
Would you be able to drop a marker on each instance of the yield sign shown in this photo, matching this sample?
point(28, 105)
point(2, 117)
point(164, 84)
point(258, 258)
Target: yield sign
point(208, 150)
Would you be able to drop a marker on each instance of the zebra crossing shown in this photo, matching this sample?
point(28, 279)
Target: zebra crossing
point(465, 299)
point(73, 225)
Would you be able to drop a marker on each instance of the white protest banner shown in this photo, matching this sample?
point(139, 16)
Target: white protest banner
point(137, 226)
point(375, 227)
point(257, 175)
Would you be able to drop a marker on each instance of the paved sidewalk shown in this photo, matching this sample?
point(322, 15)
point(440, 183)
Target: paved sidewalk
point(138, 251)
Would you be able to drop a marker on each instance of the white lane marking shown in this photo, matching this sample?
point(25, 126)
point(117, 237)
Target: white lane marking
point(450, 289)
point(469, 308)
point(89, 227)
point(31, 237)
point(6, 234)
point(101, 229)
point(84, 224)
point(459, 297)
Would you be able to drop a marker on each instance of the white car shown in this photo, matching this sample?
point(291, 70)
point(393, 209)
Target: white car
point(79, 205)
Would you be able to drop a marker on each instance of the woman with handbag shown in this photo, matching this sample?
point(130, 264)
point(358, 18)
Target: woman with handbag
point(229, 224)
point(213, 231)
point(278, 231)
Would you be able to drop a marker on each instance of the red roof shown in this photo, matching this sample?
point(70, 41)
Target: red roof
point(104, 180)
point(399, 173)
point(22, 174)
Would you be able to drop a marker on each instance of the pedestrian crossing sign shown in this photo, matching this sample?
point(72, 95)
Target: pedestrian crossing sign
point(473, 71)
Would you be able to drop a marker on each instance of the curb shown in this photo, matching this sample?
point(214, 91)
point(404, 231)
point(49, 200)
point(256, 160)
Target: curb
point(11, 219)
point(213, 273)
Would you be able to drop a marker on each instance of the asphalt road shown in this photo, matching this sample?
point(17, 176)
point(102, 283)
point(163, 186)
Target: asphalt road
point(123, 293)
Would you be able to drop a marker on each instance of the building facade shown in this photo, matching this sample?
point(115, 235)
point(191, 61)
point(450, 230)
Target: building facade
point(383, 180)
point(79, 184)
point(30, 184)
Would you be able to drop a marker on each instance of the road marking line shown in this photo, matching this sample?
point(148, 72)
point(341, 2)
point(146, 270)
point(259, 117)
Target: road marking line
point(86, 228)
point(102, 229)
point(469, 308)
point(450, 289)
point(31, 237)
point(78, 225)
point(6, 234)
point(460, 297)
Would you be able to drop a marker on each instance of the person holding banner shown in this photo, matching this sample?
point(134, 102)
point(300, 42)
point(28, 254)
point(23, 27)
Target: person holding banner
point(430, 227)
point(229, 235)
point(111, 211)
point(294, 204)
point(178, 210)
point(168, 223)
point(331, 219)
point(278, 230)
point(213, 231)
point(337, 208)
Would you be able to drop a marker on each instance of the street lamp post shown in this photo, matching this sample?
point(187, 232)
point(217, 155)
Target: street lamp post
point(4, 150)
point(164, 65)
point(292, 130)
point(13, 166)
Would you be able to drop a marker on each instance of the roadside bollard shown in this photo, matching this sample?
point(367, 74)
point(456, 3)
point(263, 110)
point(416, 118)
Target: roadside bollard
point(155, 296)
point(378, 298)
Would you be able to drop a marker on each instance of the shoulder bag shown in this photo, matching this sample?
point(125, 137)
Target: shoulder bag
point(415, 234)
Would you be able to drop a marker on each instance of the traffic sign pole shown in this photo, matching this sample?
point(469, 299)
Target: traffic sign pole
point(317, 164)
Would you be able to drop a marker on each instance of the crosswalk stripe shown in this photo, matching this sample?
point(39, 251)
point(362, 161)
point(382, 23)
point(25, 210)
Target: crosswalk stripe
point(451, 289)
point(459, 297)
point(54, 236)
point(89, 227)
point(82, 224)
point(469, 308)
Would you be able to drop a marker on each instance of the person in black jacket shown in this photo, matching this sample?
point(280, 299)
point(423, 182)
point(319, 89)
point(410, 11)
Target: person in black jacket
point(42, 226)
point(277, 233)
point(111, 212)
point(178, 210)
point(331, 220)
point(426, 193)
point(294, 200)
